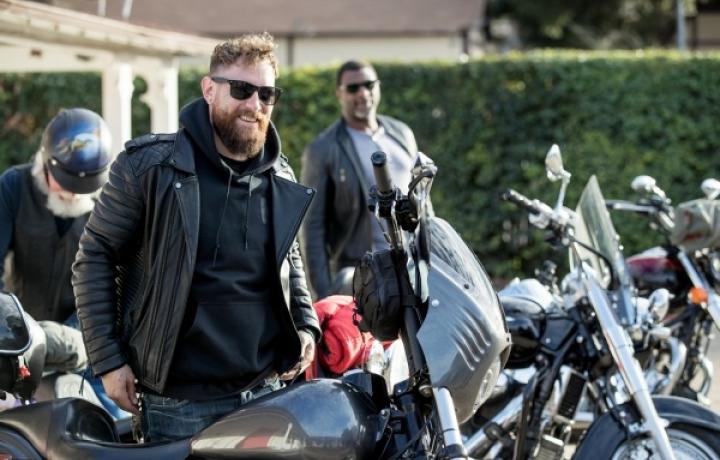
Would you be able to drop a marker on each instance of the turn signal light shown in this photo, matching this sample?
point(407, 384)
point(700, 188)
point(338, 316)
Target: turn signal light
point(24, 372)
point(697, 295)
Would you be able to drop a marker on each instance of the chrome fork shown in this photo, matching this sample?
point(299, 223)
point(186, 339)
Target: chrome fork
point(622, 350)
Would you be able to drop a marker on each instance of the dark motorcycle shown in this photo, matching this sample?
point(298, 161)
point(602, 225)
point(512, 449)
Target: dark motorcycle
point(688, 266)
point(453, 332)
point(586, 387)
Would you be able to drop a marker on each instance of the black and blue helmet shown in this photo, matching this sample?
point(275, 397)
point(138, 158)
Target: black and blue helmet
point(76, 149)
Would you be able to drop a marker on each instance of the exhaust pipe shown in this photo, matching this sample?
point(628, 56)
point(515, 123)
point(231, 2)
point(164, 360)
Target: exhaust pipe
point(678, 357)
point(478, 444)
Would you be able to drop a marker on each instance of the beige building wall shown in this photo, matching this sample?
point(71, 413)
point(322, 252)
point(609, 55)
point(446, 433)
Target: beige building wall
point(708, 30)
point(331, 51)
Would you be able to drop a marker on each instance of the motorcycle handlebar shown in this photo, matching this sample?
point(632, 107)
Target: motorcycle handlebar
point(620, 205)
point(382, 173)
point(520, 200)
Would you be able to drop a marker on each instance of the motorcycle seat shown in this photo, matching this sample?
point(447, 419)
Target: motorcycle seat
point(73, 428)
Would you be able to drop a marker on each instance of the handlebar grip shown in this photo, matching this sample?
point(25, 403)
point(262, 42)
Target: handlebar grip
point(382, 173)
point(520, 200)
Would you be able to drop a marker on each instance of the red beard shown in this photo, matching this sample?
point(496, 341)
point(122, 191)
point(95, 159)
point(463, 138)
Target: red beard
point(240, 140)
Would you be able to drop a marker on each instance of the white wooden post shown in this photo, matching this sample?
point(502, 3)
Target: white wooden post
point(162, 96)
point(117, 90)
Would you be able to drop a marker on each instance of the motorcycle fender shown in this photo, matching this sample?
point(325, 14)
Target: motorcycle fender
point(608, 430)
point(681, 410)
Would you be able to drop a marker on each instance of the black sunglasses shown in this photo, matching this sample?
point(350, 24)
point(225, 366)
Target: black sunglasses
point(353, 88)
point(242, 90)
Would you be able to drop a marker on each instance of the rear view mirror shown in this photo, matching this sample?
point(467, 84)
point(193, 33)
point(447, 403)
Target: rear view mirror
point(554, 164)
point(711, 188)
point(643, 184)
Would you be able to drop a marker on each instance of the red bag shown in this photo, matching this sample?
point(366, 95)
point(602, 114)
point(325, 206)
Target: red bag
point(343, 346)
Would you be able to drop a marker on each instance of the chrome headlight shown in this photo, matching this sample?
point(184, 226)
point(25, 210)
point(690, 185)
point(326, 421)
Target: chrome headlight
point(488, 384)
point(659, 303)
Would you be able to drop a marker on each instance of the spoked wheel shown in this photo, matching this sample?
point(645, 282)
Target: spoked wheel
point(688, 443)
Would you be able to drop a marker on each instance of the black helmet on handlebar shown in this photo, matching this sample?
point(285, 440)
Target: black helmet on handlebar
point(22, 349)
point(76, 150)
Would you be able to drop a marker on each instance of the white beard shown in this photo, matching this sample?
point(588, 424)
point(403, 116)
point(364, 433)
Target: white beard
point(59, 203)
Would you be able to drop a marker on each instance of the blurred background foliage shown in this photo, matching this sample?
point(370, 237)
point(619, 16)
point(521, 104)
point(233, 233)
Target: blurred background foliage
point(487, 124)
point(610, 24)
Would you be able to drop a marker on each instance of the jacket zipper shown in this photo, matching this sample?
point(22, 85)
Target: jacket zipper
point(155, 311)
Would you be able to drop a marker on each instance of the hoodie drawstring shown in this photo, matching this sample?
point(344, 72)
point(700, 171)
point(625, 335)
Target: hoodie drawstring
point(222, 217)
point(247, 209)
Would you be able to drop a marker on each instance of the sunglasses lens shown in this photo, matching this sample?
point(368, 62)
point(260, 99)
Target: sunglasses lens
point(353, 88)
point(268, 94)
point(241, 90)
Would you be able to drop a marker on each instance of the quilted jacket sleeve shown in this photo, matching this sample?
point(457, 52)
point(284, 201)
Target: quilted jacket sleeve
point(110, 229)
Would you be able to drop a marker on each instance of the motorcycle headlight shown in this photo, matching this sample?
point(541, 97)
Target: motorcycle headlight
point(659, 303)
point(488, 384)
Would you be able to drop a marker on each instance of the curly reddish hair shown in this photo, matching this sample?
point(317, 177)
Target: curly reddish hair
point(250, 48)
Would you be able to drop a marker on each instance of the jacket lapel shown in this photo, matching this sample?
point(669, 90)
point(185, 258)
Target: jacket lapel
point(290, 202)
point(348, 149)
point(187, 192)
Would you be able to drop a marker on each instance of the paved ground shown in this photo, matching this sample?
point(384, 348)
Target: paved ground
point(715, 358)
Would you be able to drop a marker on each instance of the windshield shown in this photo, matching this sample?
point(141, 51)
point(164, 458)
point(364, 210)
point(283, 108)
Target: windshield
point(594, 228)
point(463, 335)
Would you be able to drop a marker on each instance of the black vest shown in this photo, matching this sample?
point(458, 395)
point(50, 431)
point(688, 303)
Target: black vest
point(40, 272)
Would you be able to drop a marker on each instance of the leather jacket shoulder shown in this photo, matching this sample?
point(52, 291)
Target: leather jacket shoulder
point(149, 150)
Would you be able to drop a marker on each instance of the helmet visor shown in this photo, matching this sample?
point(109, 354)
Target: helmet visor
point(80, 183)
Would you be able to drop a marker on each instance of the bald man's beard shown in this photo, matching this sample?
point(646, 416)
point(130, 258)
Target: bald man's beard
point(240, 140)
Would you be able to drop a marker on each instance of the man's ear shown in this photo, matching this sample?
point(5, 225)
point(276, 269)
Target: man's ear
point(208, 89)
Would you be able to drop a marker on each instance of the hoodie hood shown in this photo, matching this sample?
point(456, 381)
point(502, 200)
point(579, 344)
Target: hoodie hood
point(195, 118)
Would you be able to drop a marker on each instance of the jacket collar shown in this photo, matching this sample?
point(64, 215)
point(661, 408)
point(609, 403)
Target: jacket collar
point(183, 157)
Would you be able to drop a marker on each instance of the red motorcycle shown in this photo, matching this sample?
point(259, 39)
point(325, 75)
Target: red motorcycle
point(688, 266)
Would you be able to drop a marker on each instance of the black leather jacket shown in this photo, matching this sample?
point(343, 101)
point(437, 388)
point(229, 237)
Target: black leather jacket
point(336, 231)
point(135, 266)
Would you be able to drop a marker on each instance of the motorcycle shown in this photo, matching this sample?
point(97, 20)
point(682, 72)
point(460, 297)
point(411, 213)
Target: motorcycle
point(585, 384)
point(455, 340)
point(688, 265)
point(27, 380)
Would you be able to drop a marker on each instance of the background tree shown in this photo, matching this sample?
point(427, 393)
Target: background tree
point(589, 24)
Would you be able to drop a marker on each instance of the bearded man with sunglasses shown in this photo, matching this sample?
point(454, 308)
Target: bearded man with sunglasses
point(189, 284)
point(339, 229)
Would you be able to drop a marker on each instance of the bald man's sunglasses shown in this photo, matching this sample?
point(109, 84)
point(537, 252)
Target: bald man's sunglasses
point(242, 90)
point(353, 88)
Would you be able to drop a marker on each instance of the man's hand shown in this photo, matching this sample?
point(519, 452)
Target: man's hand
point(120, 387)
point(307, 354)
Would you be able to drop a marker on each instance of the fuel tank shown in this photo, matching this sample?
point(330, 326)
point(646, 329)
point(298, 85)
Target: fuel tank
point(658, 268)
point(319, 419)
point(526, 322)
point(525, 303)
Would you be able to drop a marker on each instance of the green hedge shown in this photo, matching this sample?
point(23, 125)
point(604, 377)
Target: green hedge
point(488, 125)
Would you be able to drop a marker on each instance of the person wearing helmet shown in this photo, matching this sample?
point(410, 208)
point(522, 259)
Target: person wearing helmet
point(44, 206)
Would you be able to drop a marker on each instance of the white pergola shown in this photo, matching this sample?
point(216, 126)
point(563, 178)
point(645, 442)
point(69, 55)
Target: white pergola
point(39, 38)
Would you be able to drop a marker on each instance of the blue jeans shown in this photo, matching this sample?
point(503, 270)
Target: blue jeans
point(165, 419)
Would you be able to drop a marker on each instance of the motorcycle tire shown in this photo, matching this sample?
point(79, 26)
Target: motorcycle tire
point(688, 442)
point(13, 445)
point(608, 437)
